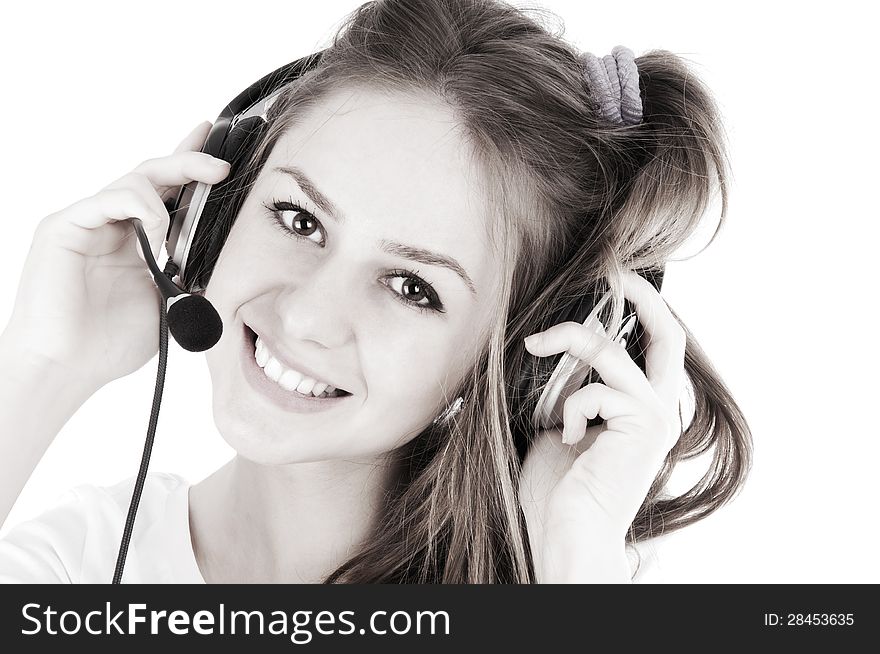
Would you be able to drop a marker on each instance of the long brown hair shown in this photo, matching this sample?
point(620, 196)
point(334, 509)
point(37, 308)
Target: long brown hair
point(575, 201)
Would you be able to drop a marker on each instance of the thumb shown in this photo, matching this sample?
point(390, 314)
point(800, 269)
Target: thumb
point(155, 233)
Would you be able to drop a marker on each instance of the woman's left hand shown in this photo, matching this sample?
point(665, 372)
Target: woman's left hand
point(581, 488)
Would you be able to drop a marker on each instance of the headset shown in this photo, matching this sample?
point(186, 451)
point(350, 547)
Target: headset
point(196, 326)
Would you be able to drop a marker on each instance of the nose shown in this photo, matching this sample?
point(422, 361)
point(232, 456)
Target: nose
point(317, 308)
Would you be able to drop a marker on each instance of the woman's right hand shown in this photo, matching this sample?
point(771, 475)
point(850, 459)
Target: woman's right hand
point(86, 301)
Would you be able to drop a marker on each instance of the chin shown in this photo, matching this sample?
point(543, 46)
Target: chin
point(266, 451)
point(255, 441)
point(266, 438)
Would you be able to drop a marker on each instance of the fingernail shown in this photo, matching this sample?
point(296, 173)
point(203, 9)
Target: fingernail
point(219, 162)
point(531, 340)
point(596, 325)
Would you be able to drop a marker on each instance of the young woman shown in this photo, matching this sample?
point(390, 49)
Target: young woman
point(448, 179)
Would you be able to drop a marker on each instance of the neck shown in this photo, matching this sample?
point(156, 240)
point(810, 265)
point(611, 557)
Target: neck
point(255, 523)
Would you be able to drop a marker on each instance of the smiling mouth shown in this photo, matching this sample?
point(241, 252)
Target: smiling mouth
point(337, 393)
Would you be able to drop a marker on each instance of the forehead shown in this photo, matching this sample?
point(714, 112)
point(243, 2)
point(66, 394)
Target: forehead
point(393, 137)
point(397, 166)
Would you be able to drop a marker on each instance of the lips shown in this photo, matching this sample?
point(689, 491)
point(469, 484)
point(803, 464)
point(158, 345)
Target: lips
point(252, 337)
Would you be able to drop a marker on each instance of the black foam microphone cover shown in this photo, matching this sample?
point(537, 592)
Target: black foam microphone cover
point(194, 323)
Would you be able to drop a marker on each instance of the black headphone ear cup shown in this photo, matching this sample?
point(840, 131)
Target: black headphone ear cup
point(210, 237)
point(236, 150)
point(535, 372)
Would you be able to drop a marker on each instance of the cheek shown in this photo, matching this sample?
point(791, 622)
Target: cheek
point(412, 373)
point(242, 263)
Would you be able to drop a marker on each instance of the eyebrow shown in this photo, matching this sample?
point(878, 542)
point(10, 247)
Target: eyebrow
point(421, 255)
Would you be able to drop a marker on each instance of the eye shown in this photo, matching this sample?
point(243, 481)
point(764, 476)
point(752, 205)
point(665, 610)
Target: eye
point(295, 221)
point(415, 291)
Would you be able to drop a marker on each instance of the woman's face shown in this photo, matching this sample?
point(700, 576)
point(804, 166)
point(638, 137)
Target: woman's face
point(345, 289)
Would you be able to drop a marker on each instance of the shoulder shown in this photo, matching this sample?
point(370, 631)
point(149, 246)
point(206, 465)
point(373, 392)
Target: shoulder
point(75, 538)
point(158, 487)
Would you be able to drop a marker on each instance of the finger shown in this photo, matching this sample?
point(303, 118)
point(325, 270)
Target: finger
point(182, 168)
point(665, 349)
point(591, 401)
point(112, 205)
point(589, 337)
point(89, 242)
point(610, 359)
point(155, 230)
point(195, 140)
point(107, 206)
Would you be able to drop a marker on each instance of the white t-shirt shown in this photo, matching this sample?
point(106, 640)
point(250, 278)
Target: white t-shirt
point(77, 541)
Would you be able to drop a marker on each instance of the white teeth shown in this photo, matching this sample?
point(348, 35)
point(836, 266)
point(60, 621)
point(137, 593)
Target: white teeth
point(289, 380)
point(262, 355)
point(273, 370)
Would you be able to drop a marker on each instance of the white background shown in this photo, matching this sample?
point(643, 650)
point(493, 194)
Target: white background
point(784, 301)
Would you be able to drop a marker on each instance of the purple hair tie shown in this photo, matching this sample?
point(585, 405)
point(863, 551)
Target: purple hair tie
point(614, 83)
